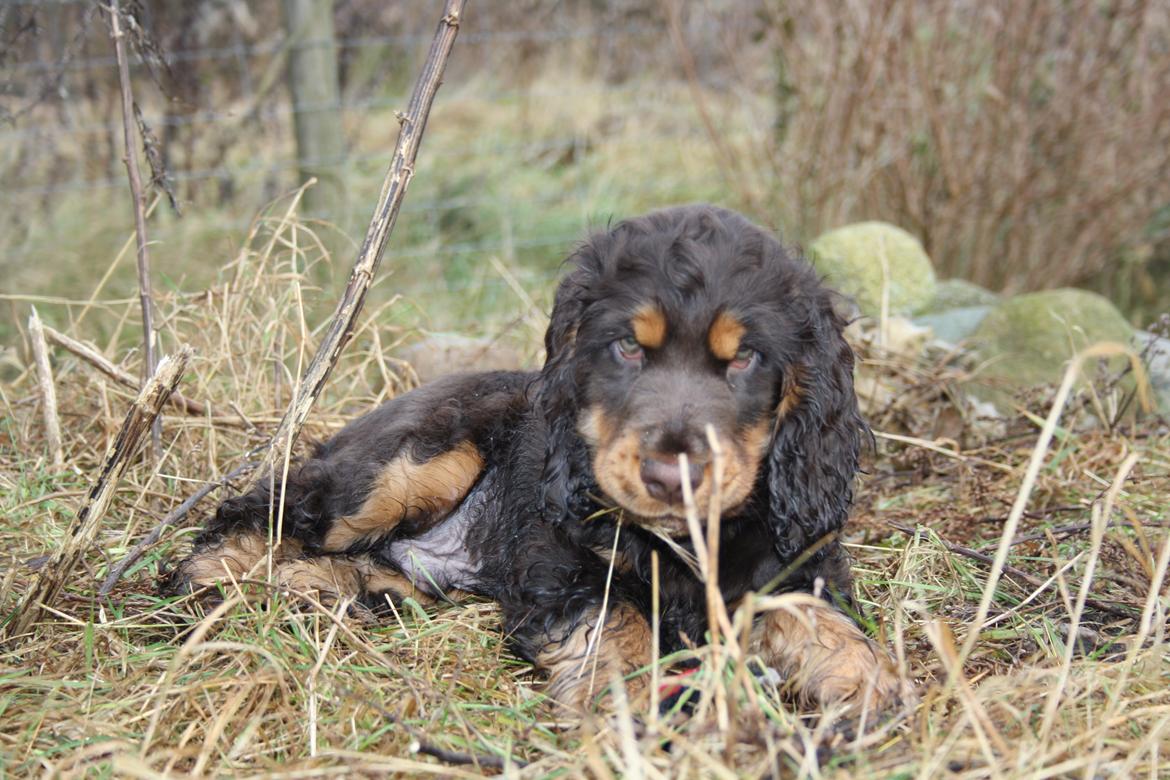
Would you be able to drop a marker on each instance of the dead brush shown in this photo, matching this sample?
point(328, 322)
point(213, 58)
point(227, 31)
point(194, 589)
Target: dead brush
point(1023, 142)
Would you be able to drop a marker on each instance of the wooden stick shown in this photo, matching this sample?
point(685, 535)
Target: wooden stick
point(40, 350)
point(90, 354)
point(145, 298)
point(173, 517)
point(139, 419)
point(365, 267)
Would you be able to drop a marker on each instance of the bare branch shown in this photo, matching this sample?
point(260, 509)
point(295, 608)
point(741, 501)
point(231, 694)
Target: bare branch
point(173, 517)
point(150, 359)
point(337, 335)
point(40, 350)
point(56, 572)
point(90, 354)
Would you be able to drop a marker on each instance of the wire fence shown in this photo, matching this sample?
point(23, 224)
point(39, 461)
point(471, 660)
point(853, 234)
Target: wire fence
point(519, 160)
point(1017, 141)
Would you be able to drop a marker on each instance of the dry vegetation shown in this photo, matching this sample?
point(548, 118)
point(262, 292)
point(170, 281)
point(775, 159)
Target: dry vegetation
point(1025, 143)
point(137, 685)
point(1027, 137)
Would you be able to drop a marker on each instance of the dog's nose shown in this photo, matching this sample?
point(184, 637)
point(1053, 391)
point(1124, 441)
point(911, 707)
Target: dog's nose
point(663, 480)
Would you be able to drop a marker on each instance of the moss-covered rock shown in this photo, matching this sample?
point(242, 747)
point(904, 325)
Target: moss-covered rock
point(960, 294)
point(851, 259)
point(1028, 339)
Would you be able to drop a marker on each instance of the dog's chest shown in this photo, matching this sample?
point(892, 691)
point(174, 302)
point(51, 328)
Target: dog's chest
point(441, 558)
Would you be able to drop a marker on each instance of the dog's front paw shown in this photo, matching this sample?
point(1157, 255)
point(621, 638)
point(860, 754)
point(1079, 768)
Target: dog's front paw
point(859, 674)
point(827, 660)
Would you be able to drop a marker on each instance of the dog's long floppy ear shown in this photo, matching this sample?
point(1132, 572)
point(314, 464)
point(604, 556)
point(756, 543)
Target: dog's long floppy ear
point(817, 442)
point(566, 465)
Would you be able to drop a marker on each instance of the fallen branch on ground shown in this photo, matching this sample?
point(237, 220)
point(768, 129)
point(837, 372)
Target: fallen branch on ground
point(90, 355)
point(139, 419)
point(1012, 571)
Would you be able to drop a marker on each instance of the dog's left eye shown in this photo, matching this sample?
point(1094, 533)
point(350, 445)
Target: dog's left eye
point(628, 348)
point(743, 359)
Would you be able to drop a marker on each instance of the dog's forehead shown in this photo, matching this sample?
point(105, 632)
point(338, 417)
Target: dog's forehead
point(689, 285)
point(693, 305)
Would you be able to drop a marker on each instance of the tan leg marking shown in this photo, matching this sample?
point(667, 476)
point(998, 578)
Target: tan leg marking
point(380, 579)
point(325, 578)
point(649, 325)
point(724, 336)
point(622, 648)
point(329, 579)
point(404, 489)
point(237, 557)
point(825, 657)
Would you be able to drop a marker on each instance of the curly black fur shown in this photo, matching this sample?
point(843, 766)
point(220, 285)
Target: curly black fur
point(537, 525)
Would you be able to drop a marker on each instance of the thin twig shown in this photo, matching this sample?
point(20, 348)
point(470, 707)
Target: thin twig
point(1059, 532)
point(90, 354)
point(53, 576)
point(1009, 570)
point(935, 447)
point(150, 359)
point(173, 517)
point(40, 350)
point(365, 268)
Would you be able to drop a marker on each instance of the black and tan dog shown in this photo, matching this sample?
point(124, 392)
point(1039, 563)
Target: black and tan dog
point(510, 484)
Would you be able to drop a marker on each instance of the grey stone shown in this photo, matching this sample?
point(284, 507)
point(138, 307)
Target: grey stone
point(1156, 352)
point(954, 325)
point(437, 354)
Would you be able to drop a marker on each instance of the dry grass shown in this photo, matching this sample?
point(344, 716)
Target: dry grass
point(135, 685)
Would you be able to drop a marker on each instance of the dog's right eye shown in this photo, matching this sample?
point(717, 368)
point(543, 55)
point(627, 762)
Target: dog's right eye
point(629, 349)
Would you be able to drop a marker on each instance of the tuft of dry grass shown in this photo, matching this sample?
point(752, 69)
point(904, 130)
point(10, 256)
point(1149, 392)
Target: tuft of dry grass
point(1068, 676)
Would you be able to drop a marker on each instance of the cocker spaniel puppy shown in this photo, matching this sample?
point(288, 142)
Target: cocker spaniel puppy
point(512, 485)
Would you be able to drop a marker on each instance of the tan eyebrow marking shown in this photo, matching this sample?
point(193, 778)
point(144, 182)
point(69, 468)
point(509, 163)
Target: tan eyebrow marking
point(649, 326)
point(724, 336)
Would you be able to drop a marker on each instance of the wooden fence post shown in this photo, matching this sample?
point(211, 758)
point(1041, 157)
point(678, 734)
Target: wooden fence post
point(316, 99)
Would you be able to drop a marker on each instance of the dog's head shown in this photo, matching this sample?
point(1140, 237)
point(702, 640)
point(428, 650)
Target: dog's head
point(689, 318)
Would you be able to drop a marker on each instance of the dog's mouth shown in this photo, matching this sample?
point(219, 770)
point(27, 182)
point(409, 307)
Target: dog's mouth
point(641, 485)
point(674, 526)
point(674, 522)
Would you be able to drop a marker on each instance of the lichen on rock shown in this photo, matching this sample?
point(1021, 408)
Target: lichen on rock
point(960, 294)
point(1028, 339)
point(856, 259)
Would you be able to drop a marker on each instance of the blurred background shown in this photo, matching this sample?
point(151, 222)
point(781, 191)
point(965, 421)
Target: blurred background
point(1027, 145)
